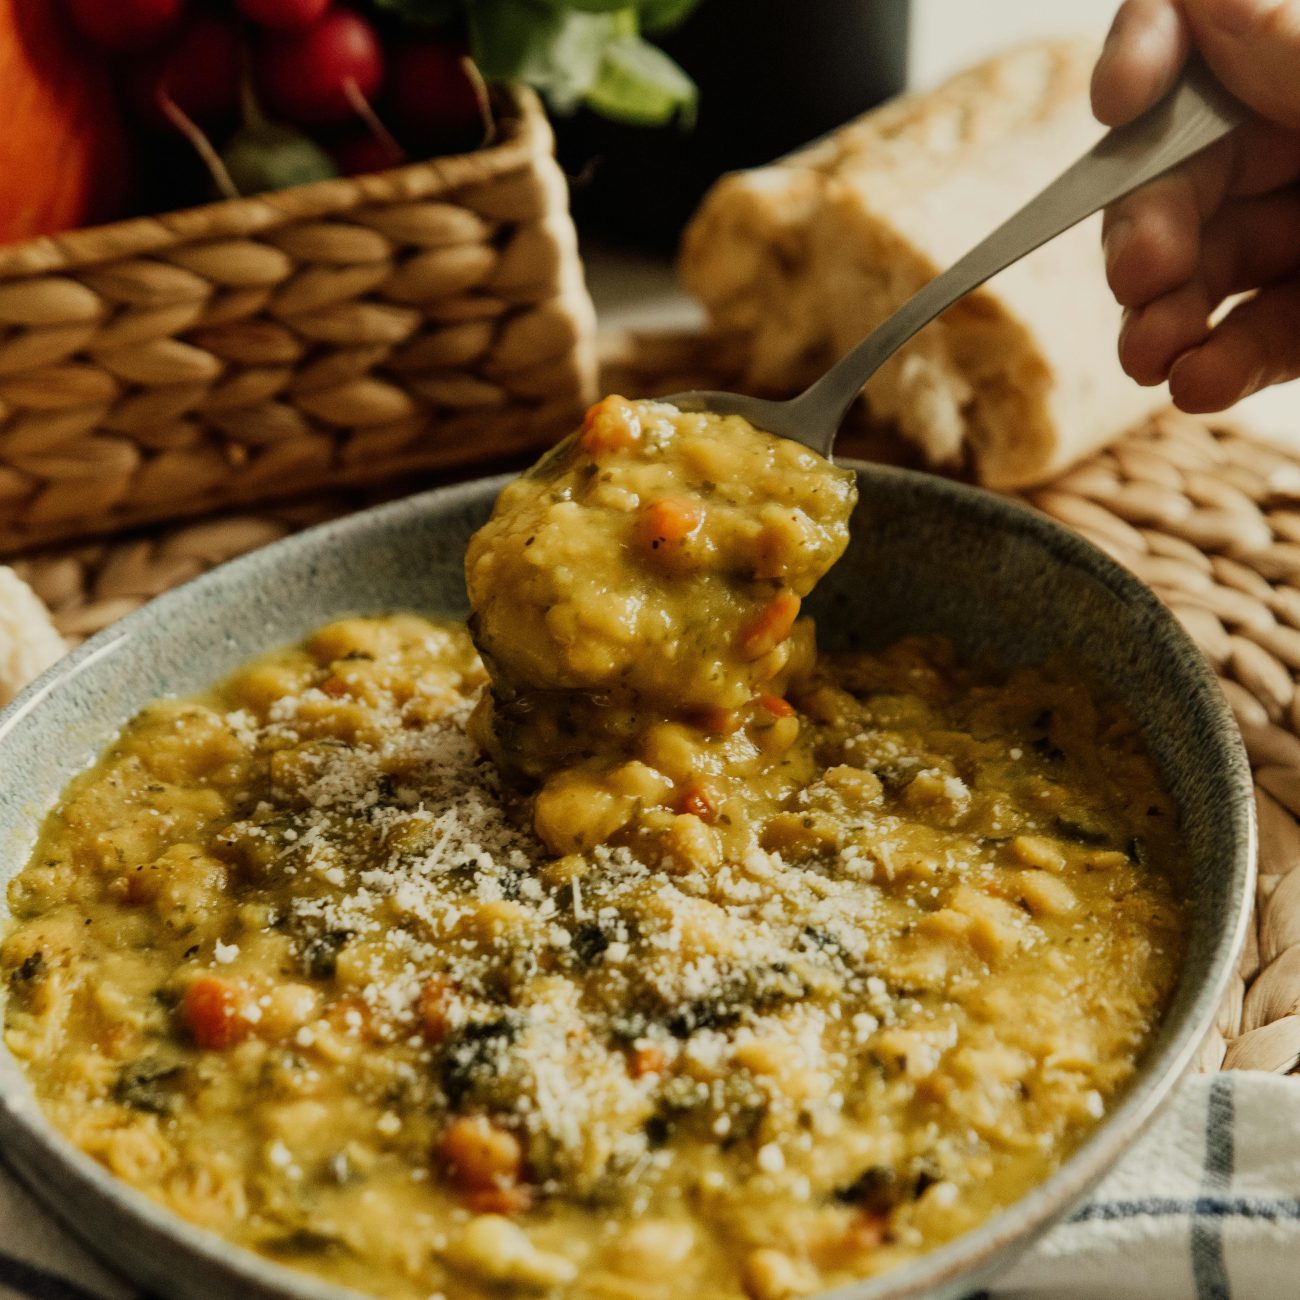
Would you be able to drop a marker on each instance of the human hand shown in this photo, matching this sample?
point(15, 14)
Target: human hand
point(1226, 222)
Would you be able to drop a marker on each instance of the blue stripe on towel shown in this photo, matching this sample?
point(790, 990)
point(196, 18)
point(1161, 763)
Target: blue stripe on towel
point(1208, 1267)
point(1207, 1207)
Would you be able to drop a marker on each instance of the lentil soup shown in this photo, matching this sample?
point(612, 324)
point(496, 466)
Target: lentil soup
point(769, 985)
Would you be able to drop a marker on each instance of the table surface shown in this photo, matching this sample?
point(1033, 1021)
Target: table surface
point(639, 291)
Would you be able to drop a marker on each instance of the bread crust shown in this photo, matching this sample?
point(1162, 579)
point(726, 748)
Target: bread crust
point(803, 257)
point(29, 643)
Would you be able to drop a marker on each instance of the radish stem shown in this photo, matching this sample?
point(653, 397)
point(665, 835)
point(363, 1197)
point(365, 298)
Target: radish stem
point(475, 79)
point(190, 129)
point(365, 111)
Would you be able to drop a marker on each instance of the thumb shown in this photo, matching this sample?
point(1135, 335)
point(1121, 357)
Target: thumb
point(1253, 47)
point(1144, 51)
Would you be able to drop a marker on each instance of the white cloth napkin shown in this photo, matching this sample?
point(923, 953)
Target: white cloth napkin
point(1207, 1205)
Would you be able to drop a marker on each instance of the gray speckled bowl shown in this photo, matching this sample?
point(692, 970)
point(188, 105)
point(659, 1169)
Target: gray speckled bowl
point(927, 555)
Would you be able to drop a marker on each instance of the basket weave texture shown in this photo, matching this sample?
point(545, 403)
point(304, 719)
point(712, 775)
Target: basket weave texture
point(1209, 518)
point(335, 333)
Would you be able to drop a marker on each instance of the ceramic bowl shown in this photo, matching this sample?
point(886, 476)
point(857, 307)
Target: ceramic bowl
point(927, 555)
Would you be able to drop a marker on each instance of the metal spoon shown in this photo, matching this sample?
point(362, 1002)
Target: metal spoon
point(1195, 113)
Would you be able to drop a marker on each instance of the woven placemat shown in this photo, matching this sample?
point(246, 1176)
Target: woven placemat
point(1207, 516)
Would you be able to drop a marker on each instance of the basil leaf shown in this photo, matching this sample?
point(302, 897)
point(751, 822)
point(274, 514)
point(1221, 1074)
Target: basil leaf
point(660, 15)
point(572, 51)
point(504, 33)
point(558, 52)
point(640, 84)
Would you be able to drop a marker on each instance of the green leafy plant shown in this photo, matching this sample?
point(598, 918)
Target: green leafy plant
point(589, 53)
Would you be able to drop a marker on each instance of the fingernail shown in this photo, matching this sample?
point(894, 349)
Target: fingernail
point(1117, 237)
point(1125, 323)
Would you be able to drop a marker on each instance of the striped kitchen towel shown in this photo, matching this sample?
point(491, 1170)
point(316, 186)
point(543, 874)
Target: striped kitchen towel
point(1206, 1206)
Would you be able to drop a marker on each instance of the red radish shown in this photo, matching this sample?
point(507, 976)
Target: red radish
point(315, 76)
point(200, 72)
point(363, 153)
point(284, 13)
point(122, 25)
point(432, 92)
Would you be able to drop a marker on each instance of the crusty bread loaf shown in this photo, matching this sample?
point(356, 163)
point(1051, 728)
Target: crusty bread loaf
point(804, 257)
point(28, 642)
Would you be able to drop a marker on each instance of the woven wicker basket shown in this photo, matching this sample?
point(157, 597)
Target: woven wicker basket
point(337, 333)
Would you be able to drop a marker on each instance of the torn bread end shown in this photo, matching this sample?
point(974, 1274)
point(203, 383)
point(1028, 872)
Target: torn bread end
point(799, 260)
point(29, 643)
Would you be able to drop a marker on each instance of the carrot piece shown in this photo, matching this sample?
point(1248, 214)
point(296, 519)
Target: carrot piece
point(592, 414)
point(352, 1016)
point(771, 626)
point(485, 1162)
point(433, 1008)
point(480, 1153)
point(515, 1199)
point(611, 425)
point(868, 1231)
point(648, 1060)
point(213, 1012)
point(701, 800)
point(717, 722)
point(668, 522)
point(776, 706)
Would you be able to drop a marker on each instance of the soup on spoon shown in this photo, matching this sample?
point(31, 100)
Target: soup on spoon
point(636, 602)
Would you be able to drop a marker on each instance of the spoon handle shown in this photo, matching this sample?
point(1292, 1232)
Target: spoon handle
point(1196, 113)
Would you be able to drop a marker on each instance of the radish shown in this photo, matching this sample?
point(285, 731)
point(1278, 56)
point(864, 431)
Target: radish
point(318, 75)
point(122, 25)
point(432, 92)
point(284, 13)
point(365, 152)
point(199, 72)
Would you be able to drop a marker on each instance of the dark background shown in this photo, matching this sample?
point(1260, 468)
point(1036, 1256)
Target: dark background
point(773, 74)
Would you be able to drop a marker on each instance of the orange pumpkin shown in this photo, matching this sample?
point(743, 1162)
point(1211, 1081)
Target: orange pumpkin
point(63, 152)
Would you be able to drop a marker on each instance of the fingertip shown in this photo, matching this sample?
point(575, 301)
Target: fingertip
point(1139, 361)
point(1134, 355)
point(1144, 50)
point(1153, 337)
point(1152, 245)
point(1210, 378)
point(1114, 101)
point(1186, 387)
point(1252, 46)
point(1109, 102)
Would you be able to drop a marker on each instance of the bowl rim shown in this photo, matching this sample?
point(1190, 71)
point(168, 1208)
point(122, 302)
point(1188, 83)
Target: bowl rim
point(961, 1264)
